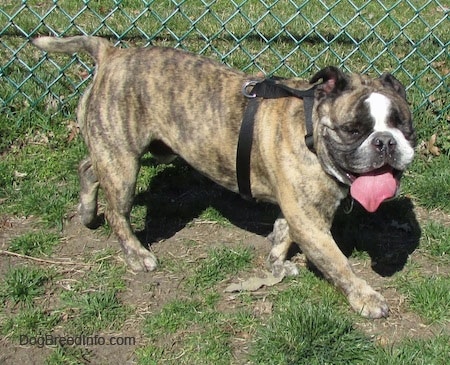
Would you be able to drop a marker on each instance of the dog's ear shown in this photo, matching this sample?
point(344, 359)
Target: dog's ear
point(390, 81)
point(334, 81)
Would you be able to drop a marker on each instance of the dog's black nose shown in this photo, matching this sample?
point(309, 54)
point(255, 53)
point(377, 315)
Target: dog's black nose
point(384, 142)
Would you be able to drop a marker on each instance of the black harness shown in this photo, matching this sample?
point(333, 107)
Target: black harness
point(266, 89)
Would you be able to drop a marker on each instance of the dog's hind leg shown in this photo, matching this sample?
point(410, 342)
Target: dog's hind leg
point(117, 173)
point(88, 194)
point(136, 255)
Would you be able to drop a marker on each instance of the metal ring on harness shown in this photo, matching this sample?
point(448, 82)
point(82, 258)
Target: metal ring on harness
point(248, 84)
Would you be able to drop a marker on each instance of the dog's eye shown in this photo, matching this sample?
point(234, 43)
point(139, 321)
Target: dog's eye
point(351, 130)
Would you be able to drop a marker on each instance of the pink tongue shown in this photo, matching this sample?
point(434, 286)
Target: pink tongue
point(372, 189)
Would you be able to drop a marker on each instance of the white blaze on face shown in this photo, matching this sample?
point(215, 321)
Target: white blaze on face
point(380, 107)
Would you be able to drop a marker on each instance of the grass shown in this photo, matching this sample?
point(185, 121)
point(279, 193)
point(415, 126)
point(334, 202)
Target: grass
point(218, 265)
point(429, 297)
point(203, 332)
point(41, 180)
point(305, 320)
point(175, 316)
point(311, 334)
point(24, 284)
point(436, 239)
point(39, 243)
point(310, 329)
point(67, 356)
point(430, 182)
point(93, 303)
point(91, 312)
point(432, 351)
point(87, 303)
point(213, 215)
point(30, 321)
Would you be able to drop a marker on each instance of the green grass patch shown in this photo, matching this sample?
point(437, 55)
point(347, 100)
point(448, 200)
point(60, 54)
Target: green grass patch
point(428, 182)
point(23, 284)
point(93, 302)
point(211, 214)
point(308, 326)
point(428, 296)
point(68, 356)
point(417, 352)
point(219, 264)
point(85, 301)
point(151, 355)
point(29, 321)
point(210, 345)
point(436, 239)
point(106, 272)
point(203, 334)
point(174, 316)
point(41, 181)
point(306, 333)
point(94, 311)
point(35, 243)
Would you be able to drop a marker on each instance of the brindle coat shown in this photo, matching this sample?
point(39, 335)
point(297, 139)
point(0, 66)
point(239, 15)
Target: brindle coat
point(172, 102)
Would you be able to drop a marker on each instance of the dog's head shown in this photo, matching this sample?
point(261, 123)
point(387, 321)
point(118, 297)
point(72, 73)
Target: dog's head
point(363, 133)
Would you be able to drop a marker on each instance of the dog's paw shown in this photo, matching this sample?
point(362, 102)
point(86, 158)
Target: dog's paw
point(89, 218)
point(368, 302)
point(284, 268)
point(142, 260)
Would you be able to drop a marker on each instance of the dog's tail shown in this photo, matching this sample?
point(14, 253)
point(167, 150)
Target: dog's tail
point(95, 46)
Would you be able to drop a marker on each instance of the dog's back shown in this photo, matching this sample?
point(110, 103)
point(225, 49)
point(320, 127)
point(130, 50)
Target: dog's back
point(164, 97)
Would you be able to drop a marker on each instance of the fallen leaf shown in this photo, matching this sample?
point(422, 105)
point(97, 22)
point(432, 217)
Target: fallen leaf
point(254, 283)
point(443, 9)
point(431, 146)
point(19, 175)
point(72, 126)
point(84, 74)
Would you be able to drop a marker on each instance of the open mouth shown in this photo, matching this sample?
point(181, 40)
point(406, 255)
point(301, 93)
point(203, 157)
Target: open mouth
point(372, 188)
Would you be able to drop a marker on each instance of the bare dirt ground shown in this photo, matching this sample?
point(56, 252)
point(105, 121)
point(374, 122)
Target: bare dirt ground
point(391, 238)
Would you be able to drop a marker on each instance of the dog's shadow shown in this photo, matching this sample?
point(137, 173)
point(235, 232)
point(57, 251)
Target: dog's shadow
point(179, 194)
point(389, 235)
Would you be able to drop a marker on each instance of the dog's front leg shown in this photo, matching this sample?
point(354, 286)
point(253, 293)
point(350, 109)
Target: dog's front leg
point(281, 242)
point(320, 248)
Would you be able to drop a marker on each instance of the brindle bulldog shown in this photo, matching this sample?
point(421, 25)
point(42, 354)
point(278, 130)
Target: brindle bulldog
point(171, 102)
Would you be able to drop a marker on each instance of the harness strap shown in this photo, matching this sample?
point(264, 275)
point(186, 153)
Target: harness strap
point(266, 89)
point(244, 149)
point(308, 104)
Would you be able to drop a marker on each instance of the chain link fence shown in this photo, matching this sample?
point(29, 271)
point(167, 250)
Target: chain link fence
point(408, 38)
